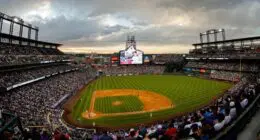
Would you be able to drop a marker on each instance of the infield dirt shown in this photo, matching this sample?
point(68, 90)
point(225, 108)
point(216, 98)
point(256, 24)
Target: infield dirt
point(152, 102)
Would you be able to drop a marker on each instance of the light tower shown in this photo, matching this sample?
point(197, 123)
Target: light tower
point(16, 20)
point(130, 41)
point(215, 33)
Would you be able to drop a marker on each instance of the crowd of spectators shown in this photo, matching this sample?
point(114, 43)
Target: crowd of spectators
point(27, 50)
point(164, 58)
point(217, 54)
point(10, 78)
point(33, 102)
point(226, 75)
point(230, 66)
point(18, 50)
point(203, 124)
point(132, 69)
point(7, 60)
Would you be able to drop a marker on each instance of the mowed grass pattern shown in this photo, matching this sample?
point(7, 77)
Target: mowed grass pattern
point(127, 104)
point(185, 92)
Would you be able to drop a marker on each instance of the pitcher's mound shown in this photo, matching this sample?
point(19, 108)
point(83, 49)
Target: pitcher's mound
point(116, 103)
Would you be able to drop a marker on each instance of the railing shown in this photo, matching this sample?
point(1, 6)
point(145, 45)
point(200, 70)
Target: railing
point(235, 128)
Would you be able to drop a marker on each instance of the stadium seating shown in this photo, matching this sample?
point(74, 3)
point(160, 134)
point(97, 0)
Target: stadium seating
point(38, 104)
point(228, 66)
point(7, 60)
point(33, 104)
point(14, 77)
point(27, 50)
point(139, 69)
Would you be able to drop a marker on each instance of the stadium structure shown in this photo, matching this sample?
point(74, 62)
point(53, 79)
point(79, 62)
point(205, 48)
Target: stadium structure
point(210, 93)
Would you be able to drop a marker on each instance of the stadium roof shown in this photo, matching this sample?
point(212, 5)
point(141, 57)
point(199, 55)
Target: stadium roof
point(3, 35)
point(229, 41)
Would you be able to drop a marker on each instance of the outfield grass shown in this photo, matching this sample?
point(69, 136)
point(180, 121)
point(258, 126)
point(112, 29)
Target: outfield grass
point(127, 104)
point(185, 92)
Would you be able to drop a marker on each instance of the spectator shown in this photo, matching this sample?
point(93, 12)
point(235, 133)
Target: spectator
point(171, 131)
point(105, 136)
point(220, 122)
point(233, 111)
point(244, 101)
point(227, 117)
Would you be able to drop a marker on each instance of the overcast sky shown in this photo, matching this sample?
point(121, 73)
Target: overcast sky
point(160, 26)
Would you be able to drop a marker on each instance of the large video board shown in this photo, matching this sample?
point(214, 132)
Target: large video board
point(131, 56)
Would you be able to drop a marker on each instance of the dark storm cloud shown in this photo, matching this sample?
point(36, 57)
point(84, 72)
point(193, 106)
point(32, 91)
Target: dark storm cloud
point(106, 23)
point(62, 29)
point(194, 4)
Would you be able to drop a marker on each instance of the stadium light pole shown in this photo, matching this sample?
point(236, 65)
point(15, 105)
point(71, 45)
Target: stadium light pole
point(1, 22)
point(21, 28)
point(36, 33)
point(240, 67)
point(29, 31)
point(11, 29)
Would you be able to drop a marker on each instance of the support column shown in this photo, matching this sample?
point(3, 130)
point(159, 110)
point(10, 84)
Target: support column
point(208, 39)
point(36, 34)
point(29, 34)
point(21, 33)
point(201, 38)
point(223, 36)
point(36, 37)
point(216, 37)
point(11, 31)
point(21, 30)
point(1, 24)
point(1, 27)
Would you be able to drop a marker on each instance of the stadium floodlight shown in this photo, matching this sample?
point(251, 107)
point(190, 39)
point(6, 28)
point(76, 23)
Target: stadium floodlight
point(17, 19)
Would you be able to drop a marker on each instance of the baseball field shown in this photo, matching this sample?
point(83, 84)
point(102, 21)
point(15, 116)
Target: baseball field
point(121, 101)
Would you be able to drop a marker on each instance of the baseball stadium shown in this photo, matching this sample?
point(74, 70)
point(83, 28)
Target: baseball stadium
point(119, 74)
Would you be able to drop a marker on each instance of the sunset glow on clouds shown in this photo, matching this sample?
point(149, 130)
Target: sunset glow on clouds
point(160, 26)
